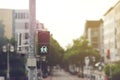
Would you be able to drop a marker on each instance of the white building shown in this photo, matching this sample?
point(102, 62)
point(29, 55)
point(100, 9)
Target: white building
point(117, 24)
point(92, 31)
point(111, 33)
point(21, 30)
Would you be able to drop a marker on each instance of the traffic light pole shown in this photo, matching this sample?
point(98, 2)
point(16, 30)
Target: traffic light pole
point(31, 61)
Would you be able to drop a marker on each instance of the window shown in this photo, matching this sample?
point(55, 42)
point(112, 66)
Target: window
point(26, 35)
point(26, 15)
point(19, 49)
point(95, 33)
point(16, 15)
point(22, 16)
point(37, 26)
point(26, 25)
point(20, 37)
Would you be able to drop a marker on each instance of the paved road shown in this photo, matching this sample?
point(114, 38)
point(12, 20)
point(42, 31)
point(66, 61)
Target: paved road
point(62, 75)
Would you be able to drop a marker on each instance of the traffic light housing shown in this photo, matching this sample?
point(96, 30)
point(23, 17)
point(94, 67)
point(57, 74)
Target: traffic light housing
point(43, 42)
point(108, 54)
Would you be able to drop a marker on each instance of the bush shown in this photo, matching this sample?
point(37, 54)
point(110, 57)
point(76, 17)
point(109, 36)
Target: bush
point(114, 68)
point(116, 77)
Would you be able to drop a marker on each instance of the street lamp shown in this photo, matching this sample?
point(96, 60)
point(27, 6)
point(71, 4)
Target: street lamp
point(7, 49)
point(89, 62)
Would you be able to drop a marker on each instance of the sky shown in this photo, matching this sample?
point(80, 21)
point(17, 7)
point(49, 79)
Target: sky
point(64, 19)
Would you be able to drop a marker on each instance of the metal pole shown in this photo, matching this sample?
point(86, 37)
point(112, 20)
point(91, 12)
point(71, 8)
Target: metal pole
point(32, 72)
point(8, 62)
point(41, 74)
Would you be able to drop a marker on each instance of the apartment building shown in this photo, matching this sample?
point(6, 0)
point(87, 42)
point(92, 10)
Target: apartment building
point(117, 28)
point(92, 33)
point(21, 29)
point(111, 34)
point(6, 17)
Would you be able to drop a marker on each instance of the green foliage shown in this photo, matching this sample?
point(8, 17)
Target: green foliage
point(55, 54)
point(76, 53)
point(3, 64)
point(1, 28)
point(114, 69)
point(17, 62)
point(3, 41)
point(17, 65)
point(13, 41)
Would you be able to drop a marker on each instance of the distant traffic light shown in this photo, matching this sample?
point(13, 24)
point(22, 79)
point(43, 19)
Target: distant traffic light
point(43, 42)
point(108, 54)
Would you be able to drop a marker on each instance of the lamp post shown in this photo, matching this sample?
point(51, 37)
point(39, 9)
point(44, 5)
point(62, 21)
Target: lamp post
point(7, 49)
point(89, 62)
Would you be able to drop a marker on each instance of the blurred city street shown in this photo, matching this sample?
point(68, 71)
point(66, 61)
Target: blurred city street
point(62, 75)
point(60, 40)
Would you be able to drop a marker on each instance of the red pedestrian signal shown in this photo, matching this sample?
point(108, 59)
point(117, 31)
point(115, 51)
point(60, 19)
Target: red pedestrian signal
point(43, 42)
point(108, 54)
point(43, 37)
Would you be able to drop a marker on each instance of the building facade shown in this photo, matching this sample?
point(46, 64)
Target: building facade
point(117, 29)
point(92, 31)
point(21, 30)
point(17, 25)
point(6, 16)
point(111, 33)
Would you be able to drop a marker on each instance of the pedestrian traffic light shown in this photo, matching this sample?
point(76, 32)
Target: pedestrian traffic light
point(43, 42)
point(108, 54)
point(44, 37)
point(43, 49)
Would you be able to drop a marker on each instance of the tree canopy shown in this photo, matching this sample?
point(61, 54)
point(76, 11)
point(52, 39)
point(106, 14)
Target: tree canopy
point(76, 53)
point(56, 52)
point(1, 28)
point(17, 62)
point(112, 69)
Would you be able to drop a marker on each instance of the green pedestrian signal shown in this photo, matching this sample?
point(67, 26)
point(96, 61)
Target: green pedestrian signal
point(44, 49)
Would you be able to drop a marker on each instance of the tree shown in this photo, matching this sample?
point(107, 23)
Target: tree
point(78, 51)
point(17, 65)
point(113, 70)
point(1, 28)
point(17, 62)
point(56, 52)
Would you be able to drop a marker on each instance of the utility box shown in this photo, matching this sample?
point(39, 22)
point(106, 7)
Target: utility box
point(31, 62)
point(2, 78)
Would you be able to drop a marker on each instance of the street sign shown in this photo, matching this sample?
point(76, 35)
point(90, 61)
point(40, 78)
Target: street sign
point(31, 62)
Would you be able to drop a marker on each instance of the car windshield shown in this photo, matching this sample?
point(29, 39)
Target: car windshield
point(59, 39)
